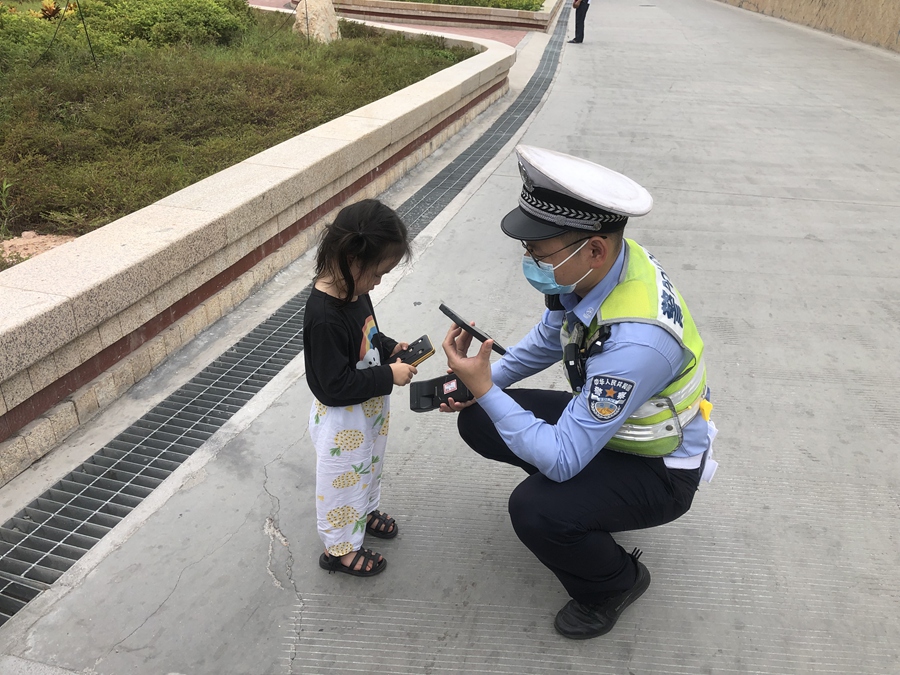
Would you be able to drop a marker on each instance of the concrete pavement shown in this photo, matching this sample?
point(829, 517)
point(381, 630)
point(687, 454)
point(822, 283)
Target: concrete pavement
point(773, 155)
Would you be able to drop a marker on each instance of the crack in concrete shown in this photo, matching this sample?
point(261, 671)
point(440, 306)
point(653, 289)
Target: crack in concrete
point(272, 532)
point(116, 647)
point(297, 628)
point(271, 529)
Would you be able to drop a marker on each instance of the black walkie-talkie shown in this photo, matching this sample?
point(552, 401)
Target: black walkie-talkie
point(575, 358)
point(574, 363)
point(553, 303)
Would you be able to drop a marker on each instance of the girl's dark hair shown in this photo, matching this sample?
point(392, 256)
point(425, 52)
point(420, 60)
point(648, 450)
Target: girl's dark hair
point(368, 232)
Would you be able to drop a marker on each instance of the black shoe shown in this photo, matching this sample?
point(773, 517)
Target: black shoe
point(579, 621)
point(573, 41)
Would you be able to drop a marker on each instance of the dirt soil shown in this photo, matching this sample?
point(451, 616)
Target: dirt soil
point(31, 244)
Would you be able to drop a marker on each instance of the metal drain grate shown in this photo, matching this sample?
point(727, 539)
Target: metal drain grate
point(48, 536)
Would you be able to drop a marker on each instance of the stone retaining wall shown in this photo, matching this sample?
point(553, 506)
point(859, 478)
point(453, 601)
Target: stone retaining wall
point(80, 324)
point(876, 22)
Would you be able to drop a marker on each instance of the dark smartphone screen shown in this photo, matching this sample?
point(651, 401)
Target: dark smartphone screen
point(477, 333)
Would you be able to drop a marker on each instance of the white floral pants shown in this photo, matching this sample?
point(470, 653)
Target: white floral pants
point(350, 444)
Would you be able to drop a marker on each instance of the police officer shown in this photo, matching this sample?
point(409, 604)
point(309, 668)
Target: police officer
point(581, 10)
point(626, 448)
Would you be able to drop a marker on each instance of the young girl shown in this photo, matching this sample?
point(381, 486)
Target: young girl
point(350, 372)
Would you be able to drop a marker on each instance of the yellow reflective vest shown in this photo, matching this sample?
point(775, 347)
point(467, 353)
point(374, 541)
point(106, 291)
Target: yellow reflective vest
point(644, 294)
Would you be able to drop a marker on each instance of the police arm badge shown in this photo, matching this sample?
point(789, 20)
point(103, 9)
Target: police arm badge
point(607, 396)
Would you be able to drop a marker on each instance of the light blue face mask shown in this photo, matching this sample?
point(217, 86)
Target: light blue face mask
point(541, 275)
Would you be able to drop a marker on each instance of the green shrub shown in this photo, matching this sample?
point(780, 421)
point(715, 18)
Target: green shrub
point(170, 22)
point(6, 208)
point(86, 144)
point(114, 24)
point(23, 32)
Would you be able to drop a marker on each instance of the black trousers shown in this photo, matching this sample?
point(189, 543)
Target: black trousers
point(580, 12)
point(568, 525)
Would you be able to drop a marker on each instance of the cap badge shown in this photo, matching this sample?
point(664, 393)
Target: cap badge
point(526, 179)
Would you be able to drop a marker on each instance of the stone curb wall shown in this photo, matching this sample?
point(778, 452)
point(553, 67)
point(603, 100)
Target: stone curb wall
point(80, 324)
point(448, 15)
point(875, 22)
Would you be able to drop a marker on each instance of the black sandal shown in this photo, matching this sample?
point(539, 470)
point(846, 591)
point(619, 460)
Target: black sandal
point(380, 526)
point(334, 564)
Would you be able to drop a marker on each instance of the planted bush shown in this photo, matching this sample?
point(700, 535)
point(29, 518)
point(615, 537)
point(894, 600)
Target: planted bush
point(169, 22)
point(84, 144)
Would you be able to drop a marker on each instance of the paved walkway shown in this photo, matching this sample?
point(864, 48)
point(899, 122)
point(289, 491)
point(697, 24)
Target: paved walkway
point(773, 155)
point(506, 36)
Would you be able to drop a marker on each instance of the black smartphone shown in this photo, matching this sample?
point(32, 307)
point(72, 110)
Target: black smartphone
point(417, 352)
point(477, 333)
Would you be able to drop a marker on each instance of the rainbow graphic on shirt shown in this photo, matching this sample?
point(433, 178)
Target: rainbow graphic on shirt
point(369, 329)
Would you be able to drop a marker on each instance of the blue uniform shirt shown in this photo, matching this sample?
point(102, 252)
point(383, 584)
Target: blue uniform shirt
point(640, 353)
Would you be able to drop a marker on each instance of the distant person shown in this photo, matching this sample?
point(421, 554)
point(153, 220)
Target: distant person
point(581, 10)
point(349, 371)
point(627, 445)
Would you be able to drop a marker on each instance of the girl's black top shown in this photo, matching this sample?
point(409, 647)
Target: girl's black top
point(339, 344)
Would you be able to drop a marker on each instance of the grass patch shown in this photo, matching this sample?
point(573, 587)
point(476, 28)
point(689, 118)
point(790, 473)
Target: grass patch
point(525, 5)
point(84, 144)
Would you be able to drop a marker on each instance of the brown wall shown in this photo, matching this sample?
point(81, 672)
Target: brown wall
point(876, 22)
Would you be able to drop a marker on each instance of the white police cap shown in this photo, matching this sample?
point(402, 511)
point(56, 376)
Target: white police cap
point(561, 192)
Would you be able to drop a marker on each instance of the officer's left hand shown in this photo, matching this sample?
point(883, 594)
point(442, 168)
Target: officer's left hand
point(474, 371)
point(455, 406)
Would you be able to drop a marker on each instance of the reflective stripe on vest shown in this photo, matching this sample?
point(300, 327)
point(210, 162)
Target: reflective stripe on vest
point(644, 294)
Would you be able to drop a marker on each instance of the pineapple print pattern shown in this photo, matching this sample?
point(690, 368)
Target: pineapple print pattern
point(340, 549)
point(347, 441)
point(349, 478)
point(342, 516)
point(373, 406)
point(375, 461)
point(385, 425)
point(349, 445)
point(347, 515)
